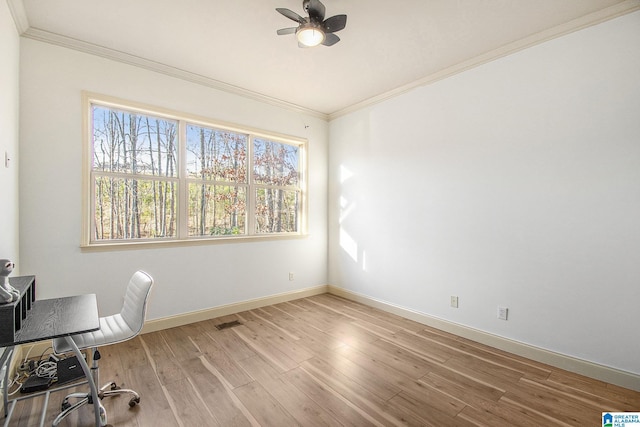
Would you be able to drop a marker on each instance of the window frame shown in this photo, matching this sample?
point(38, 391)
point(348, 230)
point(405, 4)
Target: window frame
point(182, 179)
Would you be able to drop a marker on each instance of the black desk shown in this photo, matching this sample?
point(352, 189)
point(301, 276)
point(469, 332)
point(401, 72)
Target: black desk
point(55, 318)
point(59, 317)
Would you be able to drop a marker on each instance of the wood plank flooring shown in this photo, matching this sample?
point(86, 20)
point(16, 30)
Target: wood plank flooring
point(327, 361)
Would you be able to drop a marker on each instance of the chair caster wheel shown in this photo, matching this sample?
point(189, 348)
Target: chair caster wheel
point(134, 401)
point(114, 386)
point(64, 406)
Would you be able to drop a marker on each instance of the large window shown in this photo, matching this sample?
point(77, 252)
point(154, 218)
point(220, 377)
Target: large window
point(159, 176)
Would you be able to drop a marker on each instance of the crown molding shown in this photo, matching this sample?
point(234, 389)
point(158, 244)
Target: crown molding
point(126, 58)
point(16, 7)
point(20, 18)
point(586, 21)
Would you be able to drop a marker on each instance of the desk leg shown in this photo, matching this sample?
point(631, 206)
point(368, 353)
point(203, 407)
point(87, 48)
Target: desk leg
point(5, 360)
point(92, 384)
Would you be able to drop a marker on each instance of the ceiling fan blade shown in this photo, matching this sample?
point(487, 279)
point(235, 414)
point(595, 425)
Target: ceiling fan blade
point(283, 31)
point(330, 39)
point(335, 23)
point(315, 9)
point(291, 15)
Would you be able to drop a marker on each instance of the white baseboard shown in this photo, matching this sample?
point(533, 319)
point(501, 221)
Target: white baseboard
point(224, 310)
point(558, 360)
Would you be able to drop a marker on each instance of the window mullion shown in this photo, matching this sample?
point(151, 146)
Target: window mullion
point(251, 192)
point(183, 185)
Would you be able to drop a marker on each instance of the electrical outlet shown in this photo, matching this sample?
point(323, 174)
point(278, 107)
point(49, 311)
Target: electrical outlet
point(291, 276)
point(503, 313)
point(454, 301)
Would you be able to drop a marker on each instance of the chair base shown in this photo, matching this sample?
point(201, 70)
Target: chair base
point(107, 390)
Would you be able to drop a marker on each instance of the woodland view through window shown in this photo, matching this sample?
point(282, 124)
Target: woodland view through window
point(157, 176)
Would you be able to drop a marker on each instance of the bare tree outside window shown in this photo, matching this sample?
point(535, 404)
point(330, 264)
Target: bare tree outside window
point(276, 174)
point(217, 171)
point(133, 155)
point(158, 176)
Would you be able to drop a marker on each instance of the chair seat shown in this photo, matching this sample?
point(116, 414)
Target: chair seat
point(113, 329)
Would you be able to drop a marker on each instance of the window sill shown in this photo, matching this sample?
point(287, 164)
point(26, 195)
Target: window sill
point(205, 241)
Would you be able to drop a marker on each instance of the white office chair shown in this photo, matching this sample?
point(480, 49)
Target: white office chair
point(113, 329)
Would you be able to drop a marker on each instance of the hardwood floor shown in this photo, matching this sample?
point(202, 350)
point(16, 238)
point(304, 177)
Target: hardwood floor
point(328, 361)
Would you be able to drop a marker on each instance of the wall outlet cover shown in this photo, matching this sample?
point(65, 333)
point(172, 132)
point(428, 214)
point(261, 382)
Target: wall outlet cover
point(454, 301)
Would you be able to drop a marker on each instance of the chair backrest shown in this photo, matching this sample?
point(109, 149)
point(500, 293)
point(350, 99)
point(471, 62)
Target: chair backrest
point(134, 308)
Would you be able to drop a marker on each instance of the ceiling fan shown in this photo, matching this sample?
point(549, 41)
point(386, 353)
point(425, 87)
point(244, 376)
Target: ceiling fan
point(314, 29)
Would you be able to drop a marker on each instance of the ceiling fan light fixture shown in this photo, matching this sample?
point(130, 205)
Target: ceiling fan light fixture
point(313, 29)
point(310, 35)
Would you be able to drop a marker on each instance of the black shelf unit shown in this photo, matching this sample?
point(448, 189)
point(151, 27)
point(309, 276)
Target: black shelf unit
point(13, 314)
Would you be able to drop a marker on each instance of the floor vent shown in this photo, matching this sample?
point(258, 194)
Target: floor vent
point(228, 325)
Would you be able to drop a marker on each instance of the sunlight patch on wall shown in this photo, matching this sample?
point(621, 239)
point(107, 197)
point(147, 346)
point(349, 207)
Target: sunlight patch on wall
point(345, 209)
point(345, 174)
point(347, 206)
point(349, 245)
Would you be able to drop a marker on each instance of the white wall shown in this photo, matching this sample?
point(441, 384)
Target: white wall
point(188, 278)
point(9, 205)
point(516, 183)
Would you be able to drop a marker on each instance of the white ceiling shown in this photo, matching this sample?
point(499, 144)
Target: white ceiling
point(387, 46)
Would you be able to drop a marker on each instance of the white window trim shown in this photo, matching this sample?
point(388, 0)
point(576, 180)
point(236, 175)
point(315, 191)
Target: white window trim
point(182, 239)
